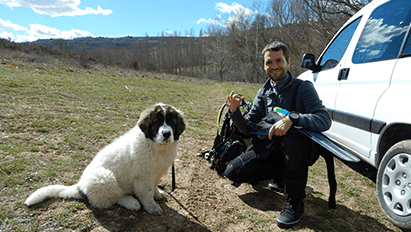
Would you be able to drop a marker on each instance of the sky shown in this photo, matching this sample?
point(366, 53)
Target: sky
point(30, 20)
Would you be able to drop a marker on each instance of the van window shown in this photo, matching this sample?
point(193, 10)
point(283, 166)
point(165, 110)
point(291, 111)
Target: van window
point(407, 49)
point(383, 33)
point(337, 48)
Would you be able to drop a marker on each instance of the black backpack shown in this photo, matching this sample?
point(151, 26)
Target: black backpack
point(229, 142)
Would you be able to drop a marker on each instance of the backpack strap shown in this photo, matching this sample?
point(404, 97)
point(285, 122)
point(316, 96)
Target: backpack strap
point(220, 112)
point(293, 106)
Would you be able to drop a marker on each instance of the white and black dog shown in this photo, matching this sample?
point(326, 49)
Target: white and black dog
point(131, 164)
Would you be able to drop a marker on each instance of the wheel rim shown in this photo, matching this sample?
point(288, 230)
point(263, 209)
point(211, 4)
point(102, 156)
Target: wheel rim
point(396, 184)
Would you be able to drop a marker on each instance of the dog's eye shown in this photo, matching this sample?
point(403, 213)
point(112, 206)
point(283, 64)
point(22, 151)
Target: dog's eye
point(157, 118)
point(170, 119)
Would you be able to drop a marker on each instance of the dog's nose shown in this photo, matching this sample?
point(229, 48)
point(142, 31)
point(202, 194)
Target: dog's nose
point(167, 134)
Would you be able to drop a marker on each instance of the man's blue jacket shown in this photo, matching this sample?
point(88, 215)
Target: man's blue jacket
point(313, 114)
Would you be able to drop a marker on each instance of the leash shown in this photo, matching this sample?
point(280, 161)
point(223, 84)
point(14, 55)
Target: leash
point(173, 181)
point(173, 186)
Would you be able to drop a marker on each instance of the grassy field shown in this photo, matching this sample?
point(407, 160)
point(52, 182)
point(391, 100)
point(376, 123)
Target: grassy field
point(54, 120)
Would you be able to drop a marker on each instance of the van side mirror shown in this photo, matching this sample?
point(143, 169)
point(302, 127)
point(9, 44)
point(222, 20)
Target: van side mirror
point(308, 62)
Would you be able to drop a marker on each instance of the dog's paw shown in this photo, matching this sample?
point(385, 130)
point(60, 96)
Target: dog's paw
point(154, 209)
point(159, 194)
point(130, 203)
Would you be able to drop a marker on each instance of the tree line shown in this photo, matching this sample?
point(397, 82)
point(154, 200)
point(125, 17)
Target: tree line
point(230, 49)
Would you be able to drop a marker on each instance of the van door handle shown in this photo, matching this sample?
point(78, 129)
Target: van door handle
point(343, 74)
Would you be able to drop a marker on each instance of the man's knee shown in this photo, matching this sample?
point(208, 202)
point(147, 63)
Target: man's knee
point(242, 168)
point(233, 168)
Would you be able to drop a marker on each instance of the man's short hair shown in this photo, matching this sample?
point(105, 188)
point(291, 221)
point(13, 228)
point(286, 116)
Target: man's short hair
point(276, 46)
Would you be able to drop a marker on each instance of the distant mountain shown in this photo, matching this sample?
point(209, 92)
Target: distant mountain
point(91, 43)
point(99, 42)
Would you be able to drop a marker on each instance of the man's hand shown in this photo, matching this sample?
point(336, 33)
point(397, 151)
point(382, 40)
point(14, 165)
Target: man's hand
point(280, 128)
point(233, 101)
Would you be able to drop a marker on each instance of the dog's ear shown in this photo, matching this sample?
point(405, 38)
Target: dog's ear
point(145, 123)
point(180, 125)
point(150, 120)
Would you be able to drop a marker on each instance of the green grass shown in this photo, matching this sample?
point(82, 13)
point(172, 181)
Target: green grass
point(61, 218)
point(4, 214)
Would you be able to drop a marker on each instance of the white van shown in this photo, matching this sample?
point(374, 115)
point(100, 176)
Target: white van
point(363, 78)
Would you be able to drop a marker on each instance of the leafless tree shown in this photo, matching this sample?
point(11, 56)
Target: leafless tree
point(336, 7)
point(221, 56)
point(327, 17)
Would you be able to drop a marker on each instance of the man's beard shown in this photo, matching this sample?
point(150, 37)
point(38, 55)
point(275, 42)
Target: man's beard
point(279, 77)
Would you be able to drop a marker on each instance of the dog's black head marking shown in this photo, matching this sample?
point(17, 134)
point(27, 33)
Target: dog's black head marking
point(176, 121)
point(151, 120)
point(154, 117)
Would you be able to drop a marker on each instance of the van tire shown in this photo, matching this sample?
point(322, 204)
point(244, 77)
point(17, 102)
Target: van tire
point(394, 184)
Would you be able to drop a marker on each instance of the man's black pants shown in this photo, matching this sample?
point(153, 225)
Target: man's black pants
point(282, 157)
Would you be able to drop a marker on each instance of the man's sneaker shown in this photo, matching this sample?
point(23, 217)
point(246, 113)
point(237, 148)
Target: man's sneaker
point(291, 214)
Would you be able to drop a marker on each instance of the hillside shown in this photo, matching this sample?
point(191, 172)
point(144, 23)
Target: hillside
point(89, 43)
point(53, 120)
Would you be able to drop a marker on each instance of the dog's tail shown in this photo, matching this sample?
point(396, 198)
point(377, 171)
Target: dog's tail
point(58, 191)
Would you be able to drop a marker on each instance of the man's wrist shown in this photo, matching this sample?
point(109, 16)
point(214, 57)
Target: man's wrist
point(287, 119)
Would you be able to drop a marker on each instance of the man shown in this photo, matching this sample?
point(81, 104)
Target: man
point(285, 155)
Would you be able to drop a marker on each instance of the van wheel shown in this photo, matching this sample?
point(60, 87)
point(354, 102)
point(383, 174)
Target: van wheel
point(394, 184)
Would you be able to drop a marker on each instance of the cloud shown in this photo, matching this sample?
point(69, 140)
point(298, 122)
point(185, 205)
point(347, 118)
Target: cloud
point(8, 25)
point(209, 21)
point(38, 31)
point(235, 10)
point(17, 38)
point(45, 32)
point(6, 35)
point(56, 8)
point(26, 38)
point(75, 33)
